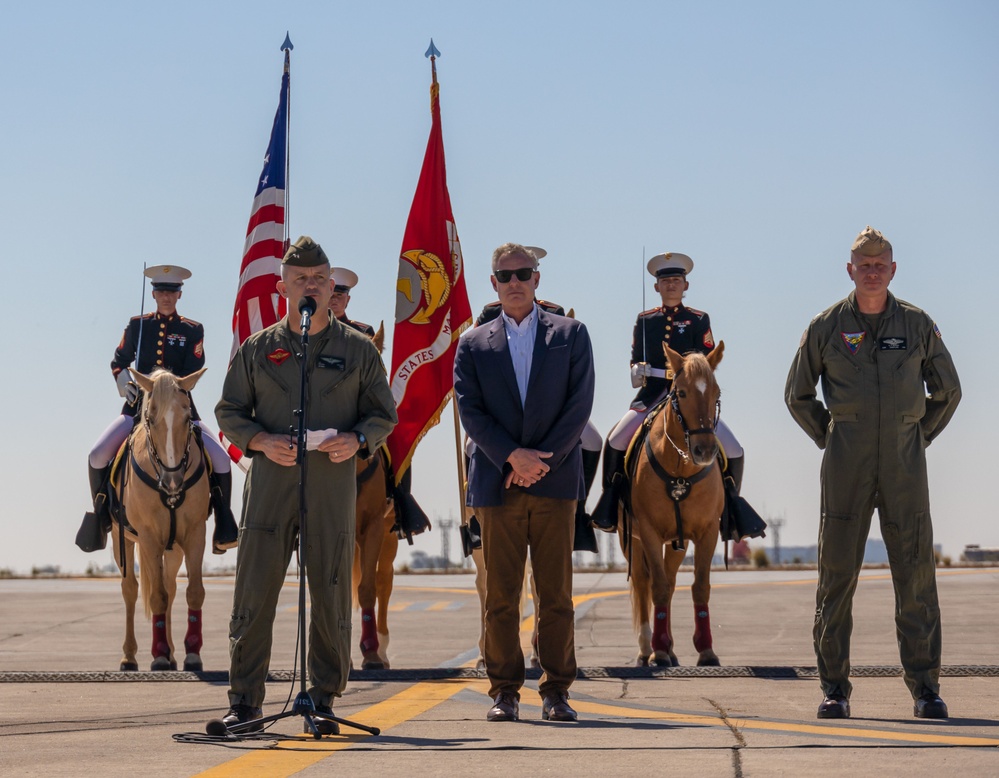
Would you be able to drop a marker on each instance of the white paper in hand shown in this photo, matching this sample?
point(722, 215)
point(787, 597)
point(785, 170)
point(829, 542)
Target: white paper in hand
point(313, 438)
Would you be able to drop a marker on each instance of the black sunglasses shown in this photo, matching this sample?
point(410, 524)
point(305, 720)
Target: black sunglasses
point(522, 273)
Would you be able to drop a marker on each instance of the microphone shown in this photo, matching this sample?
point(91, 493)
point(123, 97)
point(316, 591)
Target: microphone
point(307, 307)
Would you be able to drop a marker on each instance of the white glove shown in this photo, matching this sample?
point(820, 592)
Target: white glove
point(127, 387)
point(639, 372)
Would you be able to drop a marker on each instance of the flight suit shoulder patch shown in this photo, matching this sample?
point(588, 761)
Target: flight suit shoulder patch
point(278, 355)
point(853, 340)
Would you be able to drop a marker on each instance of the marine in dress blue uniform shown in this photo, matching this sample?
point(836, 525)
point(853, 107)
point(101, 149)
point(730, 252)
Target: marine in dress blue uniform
point(685, 330)
point(163, 340)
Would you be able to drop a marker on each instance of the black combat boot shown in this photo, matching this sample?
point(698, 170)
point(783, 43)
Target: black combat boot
point(93, 532)
point(584, 539)
point(734, 471)
point(226, 533)
point(740, 520)
point(605, 514)
point(410, 517)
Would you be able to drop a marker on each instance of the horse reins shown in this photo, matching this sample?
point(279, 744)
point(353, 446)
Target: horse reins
point(171, 500)
point(677, 487)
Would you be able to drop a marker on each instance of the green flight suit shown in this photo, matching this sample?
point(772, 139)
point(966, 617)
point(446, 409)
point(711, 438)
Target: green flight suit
point(348, 390)
point(874, 425)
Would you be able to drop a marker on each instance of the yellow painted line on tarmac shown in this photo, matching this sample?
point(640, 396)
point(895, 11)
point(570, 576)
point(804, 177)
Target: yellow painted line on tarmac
point(472, 591)
point(441, 605)
point(785, 727)
point(293, 755)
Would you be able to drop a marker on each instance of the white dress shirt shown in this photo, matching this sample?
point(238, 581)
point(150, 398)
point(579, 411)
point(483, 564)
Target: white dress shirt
point(520, 338)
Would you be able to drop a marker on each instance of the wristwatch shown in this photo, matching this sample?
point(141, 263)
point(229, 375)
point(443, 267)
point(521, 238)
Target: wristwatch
point(363, 451)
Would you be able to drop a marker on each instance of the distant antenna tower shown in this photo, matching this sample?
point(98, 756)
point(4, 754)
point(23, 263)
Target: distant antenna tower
point(775, 525)
point(445, 528)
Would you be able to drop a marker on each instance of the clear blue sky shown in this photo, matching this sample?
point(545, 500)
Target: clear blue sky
point(758, 138)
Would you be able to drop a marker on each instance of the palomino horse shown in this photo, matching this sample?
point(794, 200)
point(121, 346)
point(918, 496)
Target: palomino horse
point(676, 495)
point(374, 554)
point(165, 496)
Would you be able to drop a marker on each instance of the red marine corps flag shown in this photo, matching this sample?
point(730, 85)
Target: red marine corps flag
point(432, 306)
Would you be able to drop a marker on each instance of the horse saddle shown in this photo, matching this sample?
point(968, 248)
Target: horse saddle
point(116, 485)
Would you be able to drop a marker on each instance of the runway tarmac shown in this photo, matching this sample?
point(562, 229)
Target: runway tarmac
point(66, 710)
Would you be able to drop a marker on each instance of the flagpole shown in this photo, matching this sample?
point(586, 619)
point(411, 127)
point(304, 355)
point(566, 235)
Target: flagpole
point(287, 47)
point(433, 53)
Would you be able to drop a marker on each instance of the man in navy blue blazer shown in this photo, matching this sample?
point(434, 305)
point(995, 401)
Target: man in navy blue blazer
point(524, 388)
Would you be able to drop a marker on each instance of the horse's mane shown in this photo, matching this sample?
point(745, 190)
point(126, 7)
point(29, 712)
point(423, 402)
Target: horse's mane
point(164, 387)
point(696, 366)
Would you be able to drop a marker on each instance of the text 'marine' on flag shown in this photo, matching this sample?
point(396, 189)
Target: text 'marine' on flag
point(258, 304)
point(432, 306)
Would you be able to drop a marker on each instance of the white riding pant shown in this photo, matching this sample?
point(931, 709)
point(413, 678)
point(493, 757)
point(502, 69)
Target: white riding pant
point(620, 437)
point(110, 441)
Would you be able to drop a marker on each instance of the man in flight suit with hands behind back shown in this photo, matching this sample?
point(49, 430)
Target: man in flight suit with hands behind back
point(889, 388)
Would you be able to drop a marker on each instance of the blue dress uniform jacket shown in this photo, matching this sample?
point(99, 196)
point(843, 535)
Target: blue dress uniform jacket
point(683, 329)
point(360, 326)
point(492, 310)
point(173, 343)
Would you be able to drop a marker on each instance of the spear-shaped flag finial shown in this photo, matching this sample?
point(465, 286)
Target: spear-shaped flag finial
point(432, 51)
point(288, 46)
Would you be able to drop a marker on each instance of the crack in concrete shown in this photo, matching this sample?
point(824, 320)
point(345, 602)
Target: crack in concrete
point(736, 733)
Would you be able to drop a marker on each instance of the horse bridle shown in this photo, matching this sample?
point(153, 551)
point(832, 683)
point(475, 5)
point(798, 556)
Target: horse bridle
point(171, 497)
point(674, 402)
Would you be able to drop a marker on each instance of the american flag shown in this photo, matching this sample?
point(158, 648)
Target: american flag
point(258, 305)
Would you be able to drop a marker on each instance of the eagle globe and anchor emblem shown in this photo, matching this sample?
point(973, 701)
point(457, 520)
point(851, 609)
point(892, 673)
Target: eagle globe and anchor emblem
point(425, 281)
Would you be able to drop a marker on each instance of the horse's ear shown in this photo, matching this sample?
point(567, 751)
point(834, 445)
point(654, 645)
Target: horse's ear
point(675, 358)
point(715, 355)
point(145, 382)
point(571, 314)
point(187, 382)
point(379, 337)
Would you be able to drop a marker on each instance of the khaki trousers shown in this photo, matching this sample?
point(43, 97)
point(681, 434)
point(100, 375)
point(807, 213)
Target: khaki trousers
point(544, 527)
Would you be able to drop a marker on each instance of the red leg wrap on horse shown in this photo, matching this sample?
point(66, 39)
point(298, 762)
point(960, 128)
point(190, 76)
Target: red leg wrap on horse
point(160, 645)
point(702, 628)
point(660, 631)
point(193, 640)
point(369, 635)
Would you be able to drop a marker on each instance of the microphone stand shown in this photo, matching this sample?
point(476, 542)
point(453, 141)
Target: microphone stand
point(303, 705)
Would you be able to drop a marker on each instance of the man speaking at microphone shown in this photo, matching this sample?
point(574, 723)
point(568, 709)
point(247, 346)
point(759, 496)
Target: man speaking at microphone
point(349, 413)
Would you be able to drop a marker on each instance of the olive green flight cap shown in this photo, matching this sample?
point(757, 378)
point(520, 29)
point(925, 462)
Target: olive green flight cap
point(305, 252)
point(870, 243)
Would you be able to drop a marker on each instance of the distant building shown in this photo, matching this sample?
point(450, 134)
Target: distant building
point(975, 553)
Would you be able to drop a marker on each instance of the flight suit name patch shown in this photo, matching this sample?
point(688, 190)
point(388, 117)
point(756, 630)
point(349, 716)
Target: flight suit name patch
point(331, 363)
point(278, 356)
point(893, 344)
point(853, 340)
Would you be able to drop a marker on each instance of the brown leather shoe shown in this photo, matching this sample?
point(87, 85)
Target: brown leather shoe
point(505, 708)
point(555, 707)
